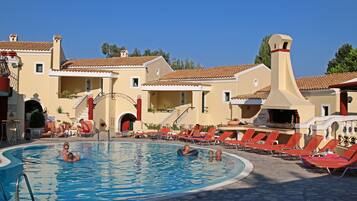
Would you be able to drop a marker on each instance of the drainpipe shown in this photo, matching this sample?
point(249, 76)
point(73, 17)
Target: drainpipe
point(90, 107)
point(343, 103)
point(138, 108)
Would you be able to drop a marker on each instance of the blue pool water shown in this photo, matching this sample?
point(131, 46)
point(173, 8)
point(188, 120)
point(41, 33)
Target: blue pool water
point(111, 171)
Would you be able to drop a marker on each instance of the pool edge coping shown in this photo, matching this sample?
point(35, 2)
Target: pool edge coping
point(245, 172)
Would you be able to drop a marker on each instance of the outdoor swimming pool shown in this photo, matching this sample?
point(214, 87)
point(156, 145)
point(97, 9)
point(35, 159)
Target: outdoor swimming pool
point(115, 170)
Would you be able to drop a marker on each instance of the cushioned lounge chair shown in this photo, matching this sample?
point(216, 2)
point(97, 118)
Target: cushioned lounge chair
point(347, 155)
point(337, 164)
point(272, 137)
point(209, 137)
point(188, 133)
point(222, 137)
point(330, 146)
point(308, 149)
point(255, 139)
point(91, 131)
point(246, 137)
point(292, 143)
point(153, 134)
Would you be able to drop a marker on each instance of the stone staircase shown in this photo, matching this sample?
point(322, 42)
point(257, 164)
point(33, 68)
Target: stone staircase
point(83, 114)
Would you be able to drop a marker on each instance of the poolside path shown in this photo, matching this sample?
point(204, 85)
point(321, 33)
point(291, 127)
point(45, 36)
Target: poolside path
point(272, 179)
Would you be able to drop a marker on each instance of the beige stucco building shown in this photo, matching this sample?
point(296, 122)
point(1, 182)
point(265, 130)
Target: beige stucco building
point(203, 95)
point(310, 105)
point(61, 87)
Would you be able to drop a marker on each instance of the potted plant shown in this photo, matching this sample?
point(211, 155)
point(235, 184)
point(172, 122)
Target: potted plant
point(37, 123)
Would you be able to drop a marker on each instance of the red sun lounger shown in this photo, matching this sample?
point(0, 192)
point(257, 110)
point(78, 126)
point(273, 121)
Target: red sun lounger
point(308, 150)
point(292, 143)
point(224, 136)
point(347, 165)
point(246, 137)
point(272, 137)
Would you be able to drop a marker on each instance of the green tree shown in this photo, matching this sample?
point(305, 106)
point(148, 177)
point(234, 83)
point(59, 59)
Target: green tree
point(111, 50)
point(345, 60)
point(178, 64)
point(136, 53)
point(264, 53)
point(160, 52)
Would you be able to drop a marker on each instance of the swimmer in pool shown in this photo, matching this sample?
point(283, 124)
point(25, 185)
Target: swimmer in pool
point(65, 150)
point(211, 155)
point(71, 157)
point(186, 149)
point(219, 155)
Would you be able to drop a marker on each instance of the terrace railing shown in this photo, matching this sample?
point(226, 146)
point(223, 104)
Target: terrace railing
point(343, 128)
point(80, 106)
point(183, 114)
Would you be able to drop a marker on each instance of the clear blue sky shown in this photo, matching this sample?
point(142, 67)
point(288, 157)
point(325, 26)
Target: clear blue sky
point(209, 32)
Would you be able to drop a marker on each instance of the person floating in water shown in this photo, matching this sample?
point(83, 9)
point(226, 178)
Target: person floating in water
point(217, 156)
point(187, 151)
point(71, 157)
point(65, 150)
point(67, 155)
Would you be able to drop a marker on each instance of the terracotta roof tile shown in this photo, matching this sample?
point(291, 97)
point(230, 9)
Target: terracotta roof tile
point(256, 95)
point(307, 83)
point(324, 81)
point(23, 45)
point(174, 83)
point(204, 73)
point(114, 61)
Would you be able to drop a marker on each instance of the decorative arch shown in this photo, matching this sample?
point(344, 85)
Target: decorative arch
point(31, 105)
point(124, 121)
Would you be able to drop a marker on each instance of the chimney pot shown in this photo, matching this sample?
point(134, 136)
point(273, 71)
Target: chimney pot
point(124, 53)
point(57, 38)
point(13, 38)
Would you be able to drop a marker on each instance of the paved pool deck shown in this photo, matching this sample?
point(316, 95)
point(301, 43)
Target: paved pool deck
point(272, 179)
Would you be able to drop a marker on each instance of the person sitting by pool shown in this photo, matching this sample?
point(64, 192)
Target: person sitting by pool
point(196, 131)
point(84, 127)
point(187, 151)
point(219, 155)
point(71, 157)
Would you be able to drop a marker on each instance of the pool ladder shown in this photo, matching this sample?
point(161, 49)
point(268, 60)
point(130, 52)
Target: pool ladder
point(3, 191)
point(17, 194)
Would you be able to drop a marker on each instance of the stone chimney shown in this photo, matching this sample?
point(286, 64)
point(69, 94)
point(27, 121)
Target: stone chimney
point(56, 52)
point(284, 93)
point(124, 53)
point(13, 38)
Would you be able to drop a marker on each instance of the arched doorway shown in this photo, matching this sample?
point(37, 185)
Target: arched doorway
point(126, 122)
point(30, 106)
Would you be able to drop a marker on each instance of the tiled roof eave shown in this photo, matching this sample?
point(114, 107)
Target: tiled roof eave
point(79, 73)
point(107, 66)
point(26, 50)
point(201, 78)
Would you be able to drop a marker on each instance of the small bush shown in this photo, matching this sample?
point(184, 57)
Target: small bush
point(175, 127)
point(152, 126)
point(59, 110)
